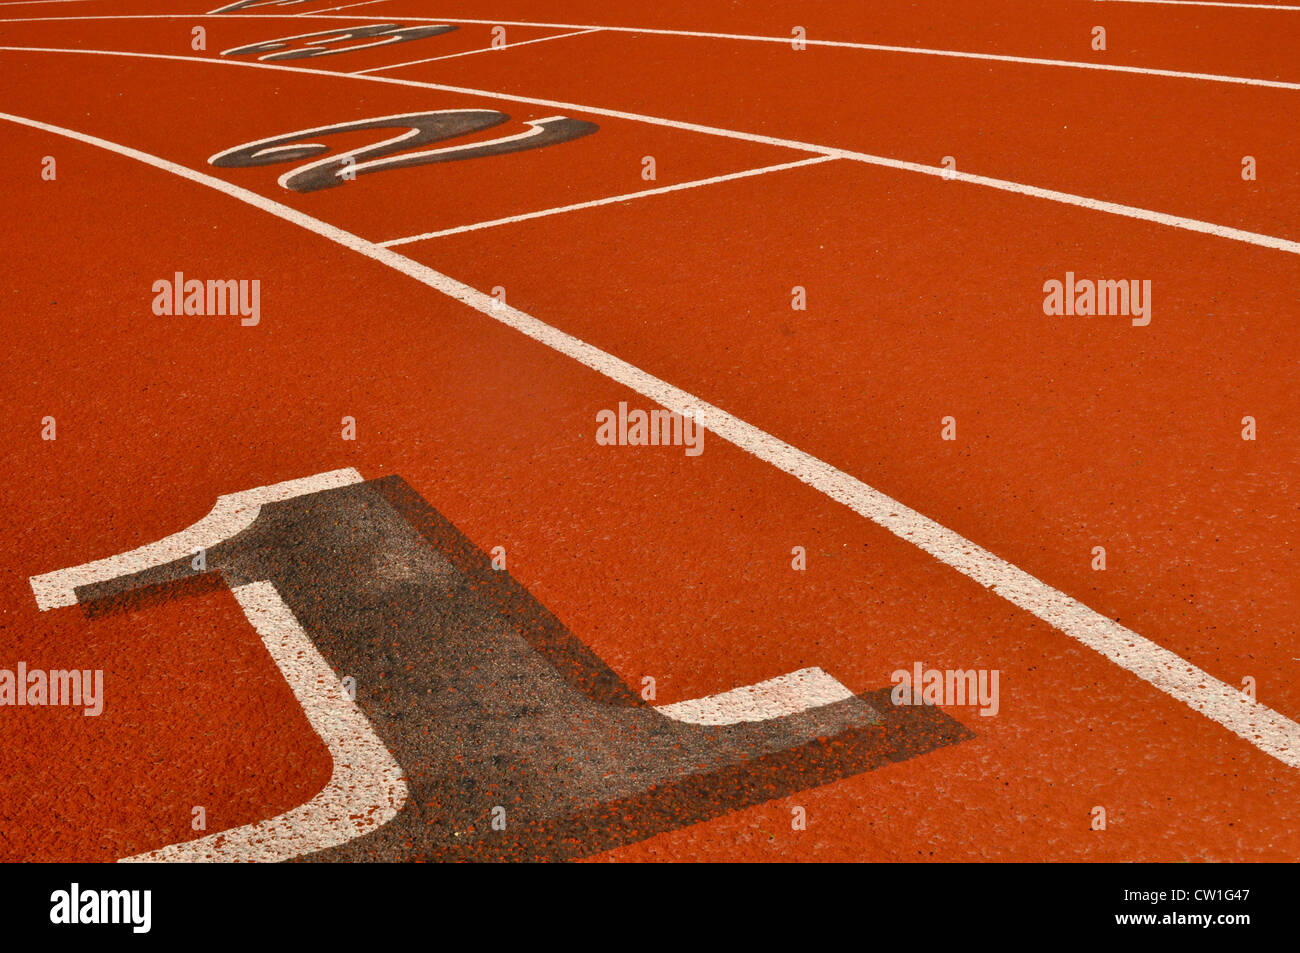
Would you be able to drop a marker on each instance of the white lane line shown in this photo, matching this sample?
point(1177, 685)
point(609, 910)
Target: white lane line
point(231, 514)
point(264, 3)
point(1259, 725)
point(346, 6)
point(486, 49)
point(916, 50)
point(889, 48)
point(366, 788)
point(627, 197)
point(1004, 185)
point(778, 697)
point(843, 44)
point(1208, 3)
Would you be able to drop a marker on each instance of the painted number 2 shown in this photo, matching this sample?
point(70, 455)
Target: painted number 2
point(417, 129)
point(324, 43)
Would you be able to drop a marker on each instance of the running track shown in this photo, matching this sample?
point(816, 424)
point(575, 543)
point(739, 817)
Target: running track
point(924, 300)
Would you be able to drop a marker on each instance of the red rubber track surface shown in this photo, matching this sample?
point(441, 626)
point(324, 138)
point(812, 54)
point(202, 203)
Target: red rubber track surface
point(924, 300)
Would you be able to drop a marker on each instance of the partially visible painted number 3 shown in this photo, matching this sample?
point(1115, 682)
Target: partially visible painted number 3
point(418, 129)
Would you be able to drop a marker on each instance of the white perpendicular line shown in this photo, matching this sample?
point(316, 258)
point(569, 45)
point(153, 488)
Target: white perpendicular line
point(230, 515)
point(950, 175)
point(779, 697)
point(1259, 725)
point(486, 49)
point(627, 197)
point(366, 788)
point(753, 38)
